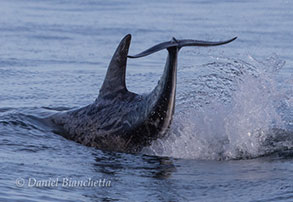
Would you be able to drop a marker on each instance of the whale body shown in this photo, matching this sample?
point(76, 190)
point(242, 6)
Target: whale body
point(120, 120)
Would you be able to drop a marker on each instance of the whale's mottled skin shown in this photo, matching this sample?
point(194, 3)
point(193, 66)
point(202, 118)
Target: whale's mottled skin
point(120, 120)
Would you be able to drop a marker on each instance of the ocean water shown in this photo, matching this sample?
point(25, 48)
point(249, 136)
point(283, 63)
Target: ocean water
point(232, 134)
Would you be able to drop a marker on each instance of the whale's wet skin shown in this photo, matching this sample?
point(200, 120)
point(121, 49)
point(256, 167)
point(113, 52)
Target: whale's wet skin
point(120, 120)
point(230, 137)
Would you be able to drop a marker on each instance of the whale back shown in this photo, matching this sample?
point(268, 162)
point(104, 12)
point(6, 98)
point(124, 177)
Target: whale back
point(120, 120)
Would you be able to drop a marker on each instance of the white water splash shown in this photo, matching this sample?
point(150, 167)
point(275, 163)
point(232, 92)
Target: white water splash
point(242, 125)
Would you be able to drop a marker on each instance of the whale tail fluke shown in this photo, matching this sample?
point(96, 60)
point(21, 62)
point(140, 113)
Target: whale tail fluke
point(179, 43)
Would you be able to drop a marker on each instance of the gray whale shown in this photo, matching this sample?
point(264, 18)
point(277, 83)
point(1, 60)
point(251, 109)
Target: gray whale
point(120, 120)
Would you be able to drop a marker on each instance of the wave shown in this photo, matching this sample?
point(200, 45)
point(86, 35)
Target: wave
point(231, 109)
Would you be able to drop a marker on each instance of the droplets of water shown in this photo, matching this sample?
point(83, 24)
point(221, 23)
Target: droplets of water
point(235, 109)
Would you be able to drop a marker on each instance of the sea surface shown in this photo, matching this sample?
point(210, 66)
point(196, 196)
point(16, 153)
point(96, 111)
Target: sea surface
point(232, 134)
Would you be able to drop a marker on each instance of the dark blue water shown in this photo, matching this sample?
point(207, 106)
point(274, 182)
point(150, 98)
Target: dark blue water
point(232, 133)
